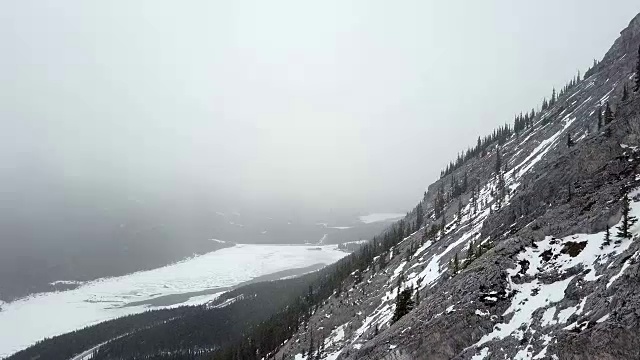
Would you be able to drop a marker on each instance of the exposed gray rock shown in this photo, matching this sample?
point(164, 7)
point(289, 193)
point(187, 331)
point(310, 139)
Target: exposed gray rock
point(545, 288)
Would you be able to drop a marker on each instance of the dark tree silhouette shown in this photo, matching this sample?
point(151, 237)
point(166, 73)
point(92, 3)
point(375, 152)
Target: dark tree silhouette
point(404, 304)
point(608, 114)
point(600, 118)
point(607, 238)
point(628, 220)
point(637, 87)
point(419, 216)
point(454, 264)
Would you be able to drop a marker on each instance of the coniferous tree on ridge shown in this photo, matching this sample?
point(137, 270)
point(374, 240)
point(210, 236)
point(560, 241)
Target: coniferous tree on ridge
point(608, 114)
point(438, 203)
point(600, 118)
point(628, 220)
point(570, 142)
point(310, 356)
point(607, 238)
point(404, 304)
point(471, 252)
point(637, 86)
point(454, 264)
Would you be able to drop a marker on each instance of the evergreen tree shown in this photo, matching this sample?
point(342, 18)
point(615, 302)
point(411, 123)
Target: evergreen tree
point(383, 261)
point(443, 226)
point(479, 250)
point(419, 216)
point(608, 114)
point(418, 282)
point(320, 349)
point(625, 93)
point(438, 202)
point(310, 356)
point(600, 118)
point(607, 238)
point(471, 252)
point(553, 97)
point(410, 303)
point(474, 201)
point(404, 304)
point(465, 182)
point(637, 86)
point(400, 281)
point(501, 188)
point(628, 220)
point(459, 213)
point(570, 142)
point(498, 161)
point(455, 264)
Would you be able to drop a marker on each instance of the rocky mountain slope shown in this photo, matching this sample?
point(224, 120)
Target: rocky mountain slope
point(534, 278)
point(505, 257)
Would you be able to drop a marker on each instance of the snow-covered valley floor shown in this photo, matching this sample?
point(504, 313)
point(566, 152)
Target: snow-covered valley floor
point(25, 321)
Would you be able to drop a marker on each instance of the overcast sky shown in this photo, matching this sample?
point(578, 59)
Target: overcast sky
point(330, 104)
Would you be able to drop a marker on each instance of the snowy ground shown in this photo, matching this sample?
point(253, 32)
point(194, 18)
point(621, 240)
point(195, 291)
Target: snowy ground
point(25, 321)
point(371, 218)
point(534, 296)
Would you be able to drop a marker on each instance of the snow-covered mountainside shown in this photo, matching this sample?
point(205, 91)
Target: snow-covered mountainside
point(521, 269)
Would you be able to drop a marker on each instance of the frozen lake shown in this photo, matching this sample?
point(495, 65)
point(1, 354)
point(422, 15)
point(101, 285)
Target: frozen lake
point(25, 321)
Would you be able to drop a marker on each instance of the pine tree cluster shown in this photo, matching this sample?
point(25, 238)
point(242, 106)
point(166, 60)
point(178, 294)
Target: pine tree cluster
point(592, 69)
point(521, 122)
point(404, 304)
point(499, 135)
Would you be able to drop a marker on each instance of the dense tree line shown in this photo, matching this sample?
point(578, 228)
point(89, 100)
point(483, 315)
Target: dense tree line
point(268, 336)
point(499, 136)
point(270, 313)
point(521, 122)
point(203, 333)
point(65, 346)
point(263, 339)
point(189, 332)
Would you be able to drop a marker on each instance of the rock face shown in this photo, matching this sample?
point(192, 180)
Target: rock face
point(546, 286)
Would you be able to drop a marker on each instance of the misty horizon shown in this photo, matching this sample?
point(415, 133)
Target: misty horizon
point(328, 106)
point(319, 180)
